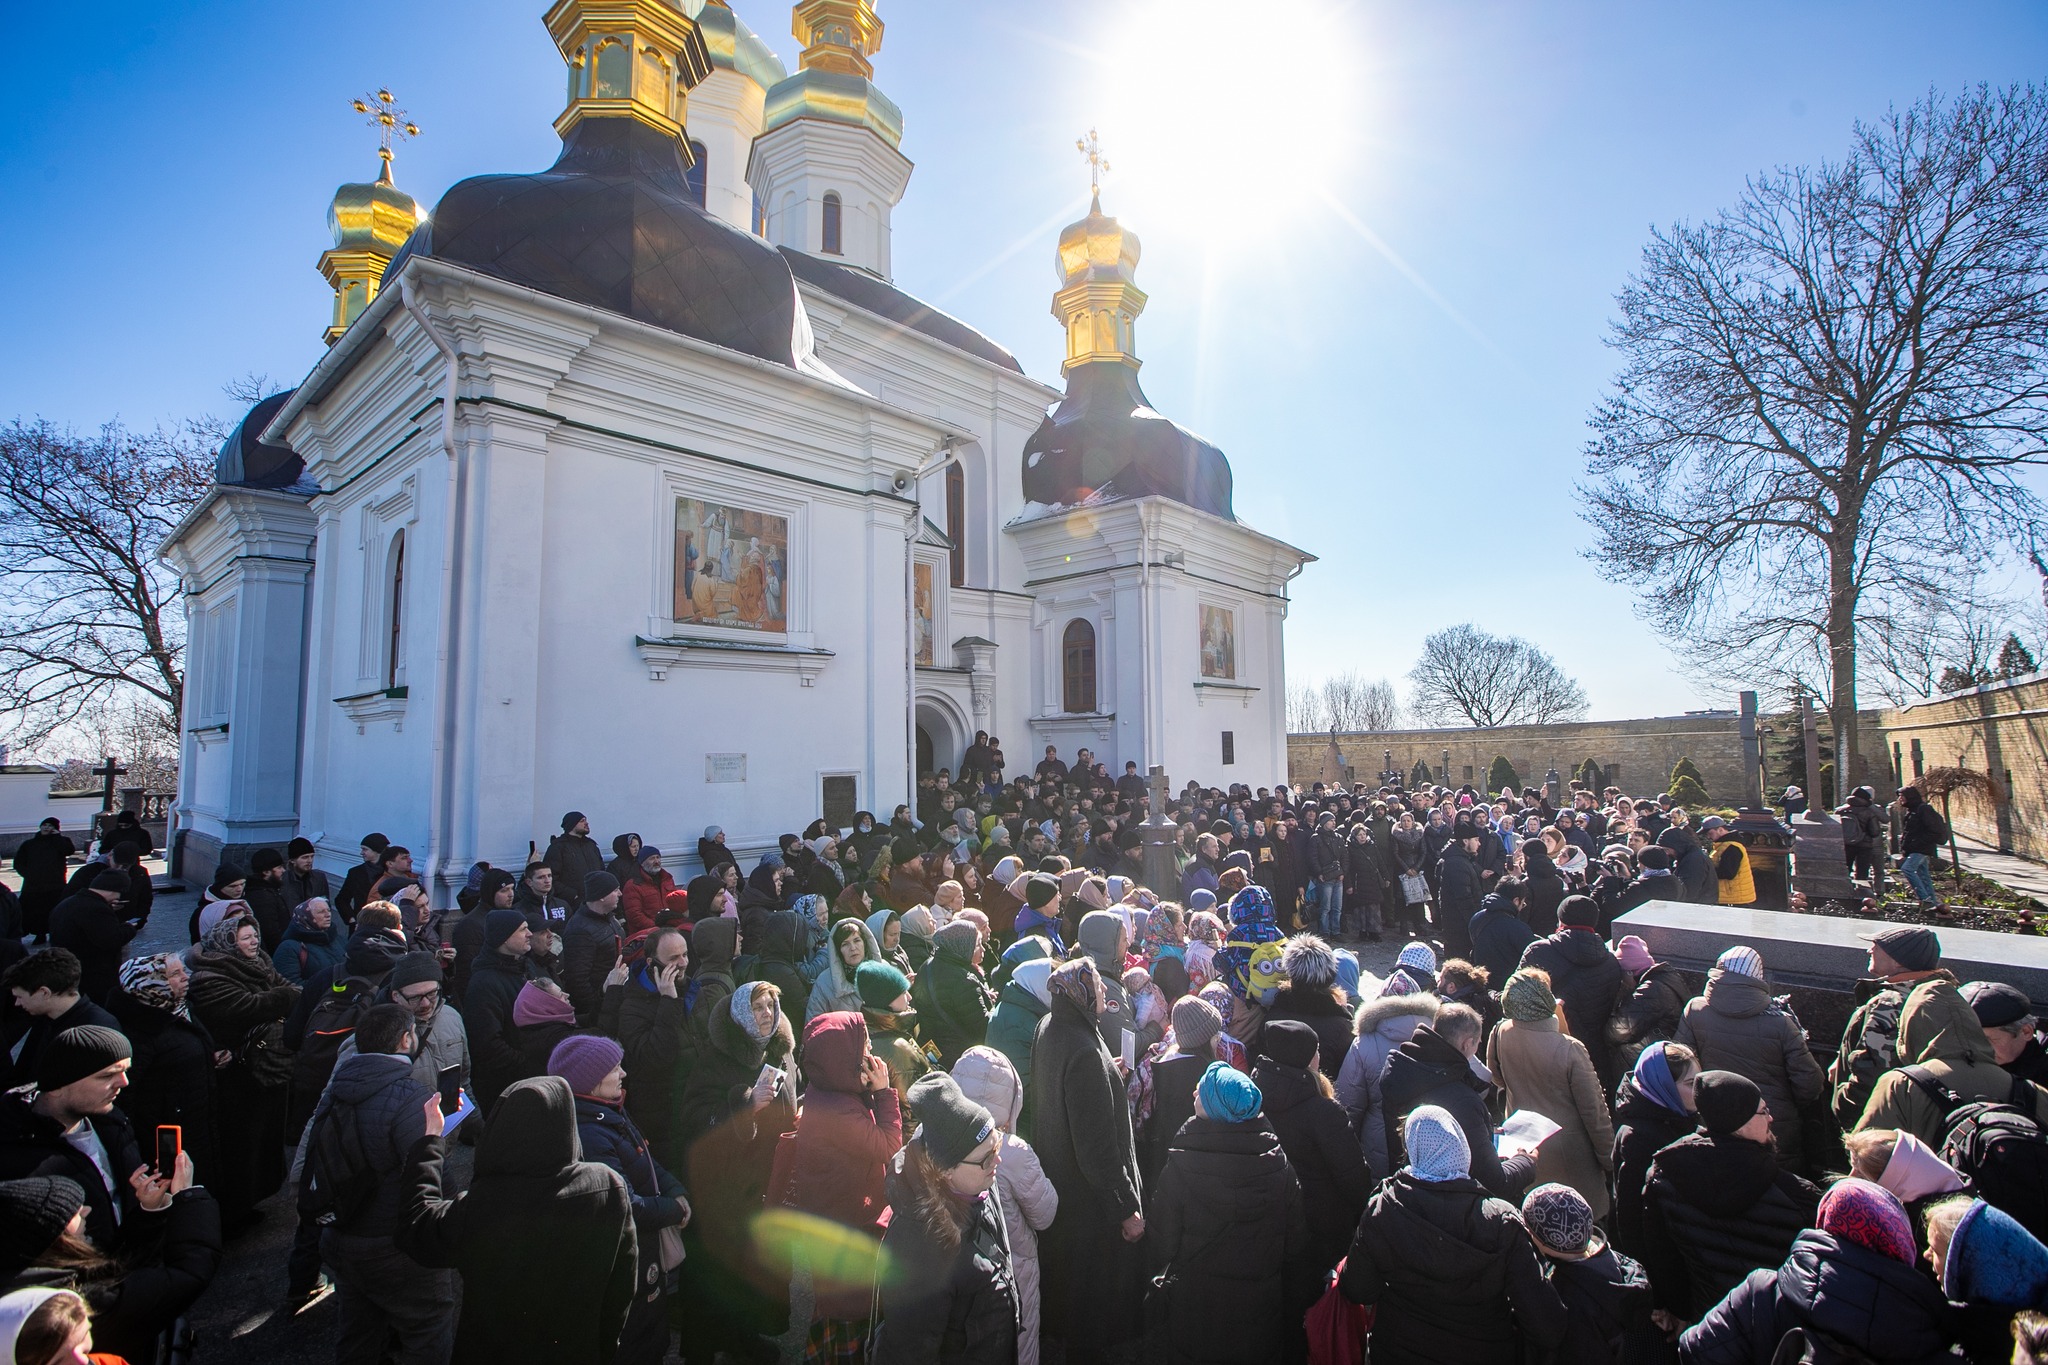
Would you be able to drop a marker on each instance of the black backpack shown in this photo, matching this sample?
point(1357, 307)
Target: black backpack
point(338, 1182)
point(1999, 1149)
point(332, 1023)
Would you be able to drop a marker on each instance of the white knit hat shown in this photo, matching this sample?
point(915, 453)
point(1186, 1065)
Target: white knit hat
point(1743, 959)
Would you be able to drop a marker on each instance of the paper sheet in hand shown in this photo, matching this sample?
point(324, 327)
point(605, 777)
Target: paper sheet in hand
point(1523, 1132)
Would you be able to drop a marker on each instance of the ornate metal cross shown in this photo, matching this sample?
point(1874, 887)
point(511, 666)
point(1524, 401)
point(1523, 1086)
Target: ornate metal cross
point(1090, 147)
point(388, 119)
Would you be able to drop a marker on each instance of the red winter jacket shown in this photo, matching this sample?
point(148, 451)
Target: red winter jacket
point(645, 897)
point(844, 1137)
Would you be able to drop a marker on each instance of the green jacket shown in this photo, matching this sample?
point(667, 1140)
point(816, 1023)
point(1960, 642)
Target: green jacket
point(1012, 1030)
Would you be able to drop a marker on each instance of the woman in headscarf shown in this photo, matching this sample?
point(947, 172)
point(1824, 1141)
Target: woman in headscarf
point(849, 945)
point(533, 1202)
point(1852, 1281)
point(1906, 1166)
point(1653, 1108)
point(314, 945)
point(1204, 937)
point(170, 1077)
point(1450, 1270)
point(919, 927)
point(241, 1001)
point(747, 1034)
point(1546, 1071)
point(1162, 935)
point(887, 928)
point(1988, 1264)
point(1082, 1132)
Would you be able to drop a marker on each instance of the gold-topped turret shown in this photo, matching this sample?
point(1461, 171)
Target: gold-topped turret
point(838, 36)
point(1098, 300)
point(627, 59)
point(834, 79)
point(370, 222)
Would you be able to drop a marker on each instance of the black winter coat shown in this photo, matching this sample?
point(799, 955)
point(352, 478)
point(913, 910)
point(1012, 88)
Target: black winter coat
point(1228, 1219)
point(1715, 1209)
point(1606, 1299)
point(96, 933)
point(494, 1044)
point(725, 1071)
point(539, 1221)
point(1586, 978)
point(1082, 1130)
point(1648, 1014)
point(655, 1031)
point(1850, 1296)
point(953, 1004)
point(573, 857)
point(610, 1139)
point(1642, 1128)
point(1322, 1011)
point(378, 1108)
point(1458, 887)
point(1544, 891)
point(1453, 1276)
point(953, 1304)
point(1325, 1155)
point(1173, 1103)
point(1428, 1070)
point(1499, 937)
point(170, 1079)
point(590, 951)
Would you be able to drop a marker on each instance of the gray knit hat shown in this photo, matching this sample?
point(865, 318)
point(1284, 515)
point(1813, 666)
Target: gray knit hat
point(1195, 1023)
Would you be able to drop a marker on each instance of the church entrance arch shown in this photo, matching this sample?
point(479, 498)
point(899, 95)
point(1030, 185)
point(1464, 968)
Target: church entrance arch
point(941, 735)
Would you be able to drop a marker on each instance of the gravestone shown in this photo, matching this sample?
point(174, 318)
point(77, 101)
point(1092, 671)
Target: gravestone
point(1157, 833)
point(1820, 869)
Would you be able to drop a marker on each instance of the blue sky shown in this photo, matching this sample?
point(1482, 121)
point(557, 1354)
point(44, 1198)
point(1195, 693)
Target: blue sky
point(1381, 240)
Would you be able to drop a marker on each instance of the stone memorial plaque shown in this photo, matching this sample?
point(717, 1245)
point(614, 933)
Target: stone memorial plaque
point(725, 767)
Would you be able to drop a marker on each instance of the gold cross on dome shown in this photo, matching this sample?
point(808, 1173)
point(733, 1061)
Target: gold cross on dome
point(388, 119)
point(1090, 147)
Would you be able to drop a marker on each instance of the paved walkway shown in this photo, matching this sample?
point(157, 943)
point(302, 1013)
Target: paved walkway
point(2008, 870)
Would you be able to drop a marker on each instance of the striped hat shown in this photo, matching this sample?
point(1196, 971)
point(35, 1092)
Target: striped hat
point(1742, 959)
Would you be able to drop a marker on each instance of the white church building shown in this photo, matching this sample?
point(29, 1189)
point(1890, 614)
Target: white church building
point(634, 486)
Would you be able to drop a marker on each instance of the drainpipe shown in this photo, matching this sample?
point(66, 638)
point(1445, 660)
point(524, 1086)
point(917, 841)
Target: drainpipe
point(441, 801)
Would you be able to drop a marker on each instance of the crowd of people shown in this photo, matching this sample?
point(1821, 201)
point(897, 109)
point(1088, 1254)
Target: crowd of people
point(965, 1085)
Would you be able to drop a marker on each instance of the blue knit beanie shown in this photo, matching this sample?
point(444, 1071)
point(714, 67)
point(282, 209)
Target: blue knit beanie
point(1437, 1149)
point(1227, 1094)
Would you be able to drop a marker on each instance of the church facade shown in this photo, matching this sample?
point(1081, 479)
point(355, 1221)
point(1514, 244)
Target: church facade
point(634, 486)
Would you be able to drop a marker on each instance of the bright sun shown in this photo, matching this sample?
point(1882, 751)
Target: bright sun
point(1203, 99)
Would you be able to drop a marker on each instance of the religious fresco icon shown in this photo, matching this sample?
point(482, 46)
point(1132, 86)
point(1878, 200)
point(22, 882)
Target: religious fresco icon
point(732, 566)
point(922, 611)
point(1219, 642)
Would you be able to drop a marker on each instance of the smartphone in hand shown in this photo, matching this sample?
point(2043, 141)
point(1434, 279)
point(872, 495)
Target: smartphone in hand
point(449, 1083)
point(170, 1140)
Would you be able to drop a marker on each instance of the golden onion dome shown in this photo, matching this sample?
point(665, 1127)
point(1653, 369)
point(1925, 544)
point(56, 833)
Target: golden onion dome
point(1096, 248)
point(735, 47)
point(835, 97)
point(376, 217)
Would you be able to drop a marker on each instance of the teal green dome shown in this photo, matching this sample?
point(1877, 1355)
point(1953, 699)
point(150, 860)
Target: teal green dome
point(736, 47)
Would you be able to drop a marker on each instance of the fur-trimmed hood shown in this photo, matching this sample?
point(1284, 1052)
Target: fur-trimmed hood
point(1374, 1013)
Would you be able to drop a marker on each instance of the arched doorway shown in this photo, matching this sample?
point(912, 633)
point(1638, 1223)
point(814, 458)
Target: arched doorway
point(941, 735)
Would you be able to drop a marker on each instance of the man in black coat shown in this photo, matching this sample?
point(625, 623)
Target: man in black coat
point(44, 987)
point(355, 887)
point(1499, 933)
point(573, 855)
point(267, 898)
point(374, 1112)
point(594, 936)
point(1717, 1205)
point(41, 861)
point(90, 925)
point(653, 1025)
point(1435, 1067)
point(302, 881)
point(1325, 1154)
point(49, 1130)
point(501, 969)
point(1653, 883)
point(1458, 890)
point(1585, 976)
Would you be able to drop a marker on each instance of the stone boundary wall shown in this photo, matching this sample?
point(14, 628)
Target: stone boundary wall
point(1643, 752)
point(2000, 729)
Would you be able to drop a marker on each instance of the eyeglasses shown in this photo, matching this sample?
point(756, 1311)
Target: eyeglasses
point(421, 999)
point(995, 1152)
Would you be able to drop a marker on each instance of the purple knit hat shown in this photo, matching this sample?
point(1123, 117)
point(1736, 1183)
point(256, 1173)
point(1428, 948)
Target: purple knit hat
point(584, 1060)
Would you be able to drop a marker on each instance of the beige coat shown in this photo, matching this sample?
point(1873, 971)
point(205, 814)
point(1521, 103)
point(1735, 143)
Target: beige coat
point(1550, 1073)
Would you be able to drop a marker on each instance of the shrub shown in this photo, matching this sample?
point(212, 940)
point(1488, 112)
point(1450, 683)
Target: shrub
point(1501, 773)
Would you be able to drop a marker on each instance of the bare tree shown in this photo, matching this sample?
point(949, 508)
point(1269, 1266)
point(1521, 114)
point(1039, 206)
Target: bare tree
point(1830, 393)
point(1909, 644)
point(1306, 713)
point(1352, 703)
point(89, 619)
point(1487, 680)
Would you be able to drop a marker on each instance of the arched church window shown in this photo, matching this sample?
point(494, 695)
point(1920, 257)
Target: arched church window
point(393, 665)
point(1077, 666)
point(956, 521)
point(833, 214)
point(698, 174)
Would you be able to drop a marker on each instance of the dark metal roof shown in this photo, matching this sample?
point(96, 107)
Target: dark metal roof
point(1104, 441)
point(611, 224)
point(863, 290)
point(246, 460)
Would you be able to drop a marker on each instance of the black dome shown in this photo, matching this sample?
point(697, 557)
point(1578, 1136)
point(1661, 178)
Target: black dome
point(611, 224)
point(249, 461)
point(1104, 440)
